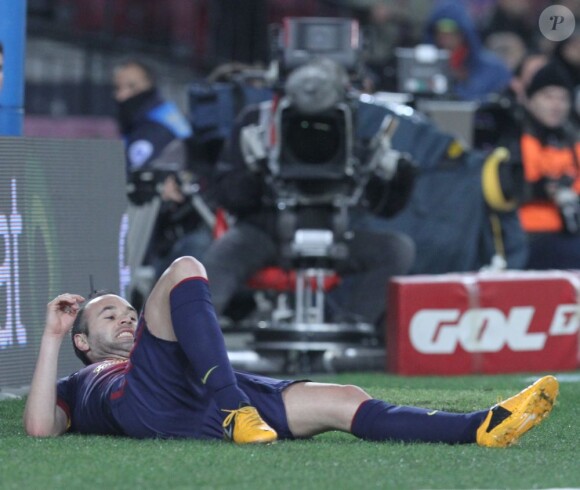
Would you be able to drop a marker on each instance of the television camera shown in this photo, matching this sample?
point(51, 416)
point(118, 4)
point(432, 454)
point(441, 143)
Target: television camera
point(306, 142)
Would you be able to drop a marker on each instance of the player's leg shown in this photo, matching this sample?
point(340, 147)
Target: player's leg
point(158, 305)
point(312, 408)
point(179, 309)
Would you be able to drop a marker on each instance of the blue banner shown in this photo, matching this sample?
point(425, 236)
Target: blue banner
point(12, 39)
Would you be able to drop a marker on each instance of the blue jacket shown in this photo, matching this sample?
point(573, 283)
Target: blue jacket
point(487, 74)
point(150, 126)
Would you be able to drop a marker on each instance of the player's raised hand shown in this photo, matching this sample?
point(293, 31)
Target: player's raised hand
point(61, 313)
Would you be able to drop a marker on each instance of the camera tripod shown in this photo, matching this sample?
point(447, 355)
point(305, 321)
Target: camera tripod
point(293, 329)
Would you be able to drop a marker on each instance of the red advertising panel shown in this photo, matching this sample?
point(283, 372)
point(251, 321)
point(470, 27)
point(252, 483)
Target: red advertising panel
point(483, 323)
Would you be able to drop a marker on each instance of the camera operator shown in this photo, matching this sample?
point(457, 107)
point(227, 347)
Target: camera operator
point(164, 221)
point(261, 229)
point(547, 145)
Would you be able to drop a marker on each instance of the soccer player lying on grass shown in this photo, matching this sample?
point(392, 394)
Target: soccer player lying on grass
point(168, 375)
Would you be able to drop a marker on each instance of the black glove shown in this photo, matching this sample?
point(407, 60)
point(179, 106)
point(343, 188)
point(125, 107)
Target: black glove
point(174, 221)
point(143, 186)
point(387, 197)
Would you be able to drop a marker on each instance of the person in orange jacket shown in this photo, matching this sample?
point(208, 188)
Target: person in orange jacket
point(548, 147)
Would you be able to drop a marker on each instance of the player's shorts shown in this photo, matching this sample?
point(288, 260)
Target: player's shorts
point(162, 398)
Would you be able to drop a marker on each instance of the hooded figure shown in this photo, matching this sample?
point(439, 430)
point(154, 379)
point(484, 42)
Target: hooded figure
point(476, 71)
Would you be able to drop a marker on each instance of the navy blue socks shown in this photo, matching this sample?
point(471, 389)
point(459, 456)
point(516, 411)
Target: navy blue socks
point(199, 335)
point(376, 420)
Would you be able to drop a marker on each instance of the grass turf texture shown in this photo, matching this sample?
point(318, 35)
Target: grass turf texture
point(547, 457)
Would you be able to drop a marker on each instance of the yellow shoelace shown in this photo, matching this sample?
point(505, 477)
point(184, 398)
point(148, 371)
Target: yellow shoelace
point(254, 418)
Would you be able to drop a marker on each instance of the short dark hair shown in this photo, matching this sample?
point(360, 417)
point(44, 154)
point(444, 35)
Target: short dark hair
point(144, 65)
point(81, 326)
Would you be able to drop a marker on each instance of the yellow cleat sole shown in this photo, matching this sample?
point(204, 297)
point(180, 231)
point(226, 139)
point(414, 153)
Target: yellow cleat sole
point(529, 407)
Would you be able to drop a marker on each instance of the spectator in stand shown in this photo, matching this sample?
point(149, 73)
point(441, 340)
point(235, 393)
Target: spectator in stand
point(164, 217)
point(567, 54)
point(548, 147)
point(508, 46)
point(514, 16)
point(510, 30)
point(476, 73)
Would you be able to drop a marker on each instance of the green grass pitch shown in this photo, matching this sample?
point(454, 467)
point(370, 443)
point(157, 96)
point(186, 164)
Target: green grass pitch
point(547, 457)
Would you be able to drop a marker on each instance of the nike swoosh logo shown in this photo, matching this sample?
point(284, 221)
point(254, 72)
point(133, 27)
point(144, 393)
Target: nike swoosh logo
point(432, 413)
point(204, 379)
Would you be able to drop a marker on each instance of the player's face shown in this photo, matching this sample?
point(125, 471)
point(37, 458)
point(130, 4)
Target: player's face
point(111, 323)
point(128, 81)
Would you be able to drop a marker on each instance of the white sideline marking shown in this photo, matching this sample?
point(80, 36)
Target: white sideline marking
point(562, 378)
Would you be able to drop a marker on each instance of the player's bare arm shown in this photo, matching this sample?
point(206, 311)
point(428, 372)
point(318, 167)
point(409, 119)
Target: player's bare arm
point(42, 416)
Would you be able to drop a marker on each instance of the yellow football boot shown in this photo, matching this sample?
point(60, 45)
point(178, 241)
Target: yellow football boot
point(245, 426)
point(507, 421)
